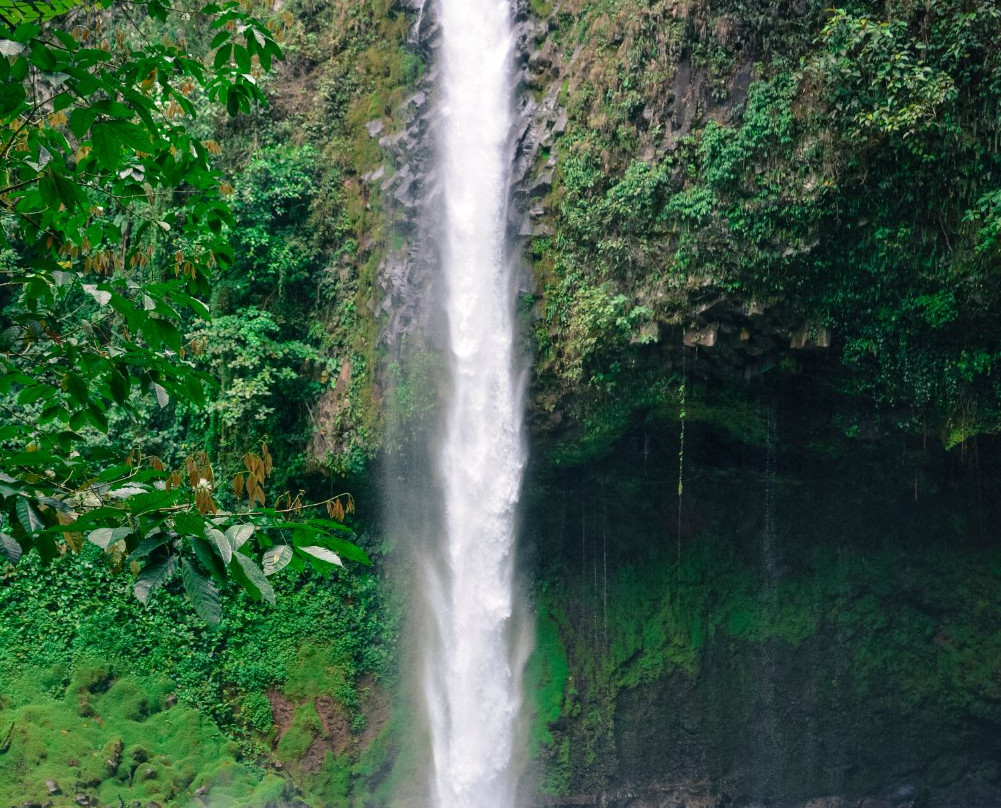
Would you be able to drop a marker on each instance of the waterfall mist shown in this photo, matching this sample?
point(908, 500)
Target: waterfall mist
point(459, 482)
point(470, 679)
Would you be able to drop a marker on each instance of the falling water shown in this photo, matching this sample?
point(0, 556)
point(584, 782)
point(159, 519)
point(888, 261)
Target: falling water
point(471, 679)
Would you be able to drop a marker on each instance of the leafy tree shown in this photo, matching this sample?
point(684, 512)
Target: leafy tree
point(113, 221)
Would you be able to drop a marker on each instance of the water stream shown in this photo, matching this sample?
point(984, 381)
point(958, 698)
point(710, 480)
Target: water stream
point(471, 679)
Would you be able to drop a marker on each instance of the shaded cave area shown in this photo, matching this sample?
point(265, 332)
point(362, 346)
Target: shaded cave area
point(786, 600)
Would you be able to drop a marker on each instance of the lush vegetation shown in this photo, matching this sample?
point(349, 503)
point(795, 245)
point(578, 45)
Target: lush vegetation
point(91, 676)
point(190, 290)
point(834, 177)
point(185, 373)
point(114, 220)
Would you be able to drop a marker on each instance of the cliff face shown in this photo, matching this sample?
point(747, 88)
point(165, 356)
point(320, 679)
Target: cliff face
point(759, 296)
point(758, 184)
point(759, 516)
point(812, 620)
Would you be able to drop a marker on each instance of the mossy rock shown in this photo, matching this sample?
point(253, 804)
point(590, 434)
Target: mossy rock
point(134, 751)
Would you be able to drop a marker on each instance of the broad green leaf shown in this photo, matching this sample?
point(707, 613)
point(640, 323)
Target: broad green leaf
point(221, 544)
point(97, 417)
point(42, 57)
point(153, 577)
point(208, 556)
point(29, 395)
point(100, 295)
point(28, 517)
point(238, 535)
point(76, 387)
point(107, 148)
point(95, 516)
point(256, 577)
point(21, 12)
point(323, 554)
point(104, 537)
point(131, 135)
point(242, 58)
point(276, 558)
point(81, 120)
point(222, 56)
point(148, 545)
point(203, 594)
point(11, 97)
point(161, 394)
point(69, 193)
point(119, 384)
point(10, 548)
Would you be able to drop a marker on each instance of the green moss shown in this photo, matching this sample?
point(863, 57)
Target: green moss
point(546, 679)
point(542, 8)
point(305, 728)
point(50, 739)
point(331, 785)
point(319, 670)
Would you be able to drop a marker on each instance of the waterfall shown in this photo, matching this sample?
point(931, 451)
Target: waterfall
point(471, 679)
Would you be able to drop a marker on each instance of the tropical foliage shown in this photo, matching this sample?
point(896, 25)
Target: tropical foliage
point(114, 221)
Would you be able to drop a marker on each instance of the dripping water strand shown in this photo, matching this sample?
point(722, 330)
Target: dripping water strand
point(604, 575)
point(769, 530)
point(682, 417)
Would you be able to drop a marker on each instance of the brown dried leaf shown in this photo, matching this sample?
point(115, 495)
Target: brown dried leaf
point(204, 501)
point(74, 541)
point(251, 487)
point(191, 467)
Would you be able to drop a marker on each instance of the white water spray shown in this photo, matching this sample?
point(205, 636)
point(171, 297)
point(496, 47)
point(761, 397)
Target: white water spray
point(471, 678)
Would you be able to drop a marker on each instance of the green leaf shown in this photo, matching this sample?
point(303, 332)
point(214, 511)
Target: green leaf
point(81, 120)
point(153, 577)
point(238, 535)
point(323, 554)
point(29, 395)
point(132, 135)
point(119, 384)
point(69, 193)
point(256, 577)
point(221, 544)
point(161, 395)
point(76, 387)
point(11, 97)
point(148, 545)
point(96, 416)
point(208, 556)
point(276, 558)
point(42, 57)
point(242, 57)
point(28, 517)
point(107, 148)
point(10, 547)
point(104, 537)
point(203, 594)
point(222, 56)
point(30, 11)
